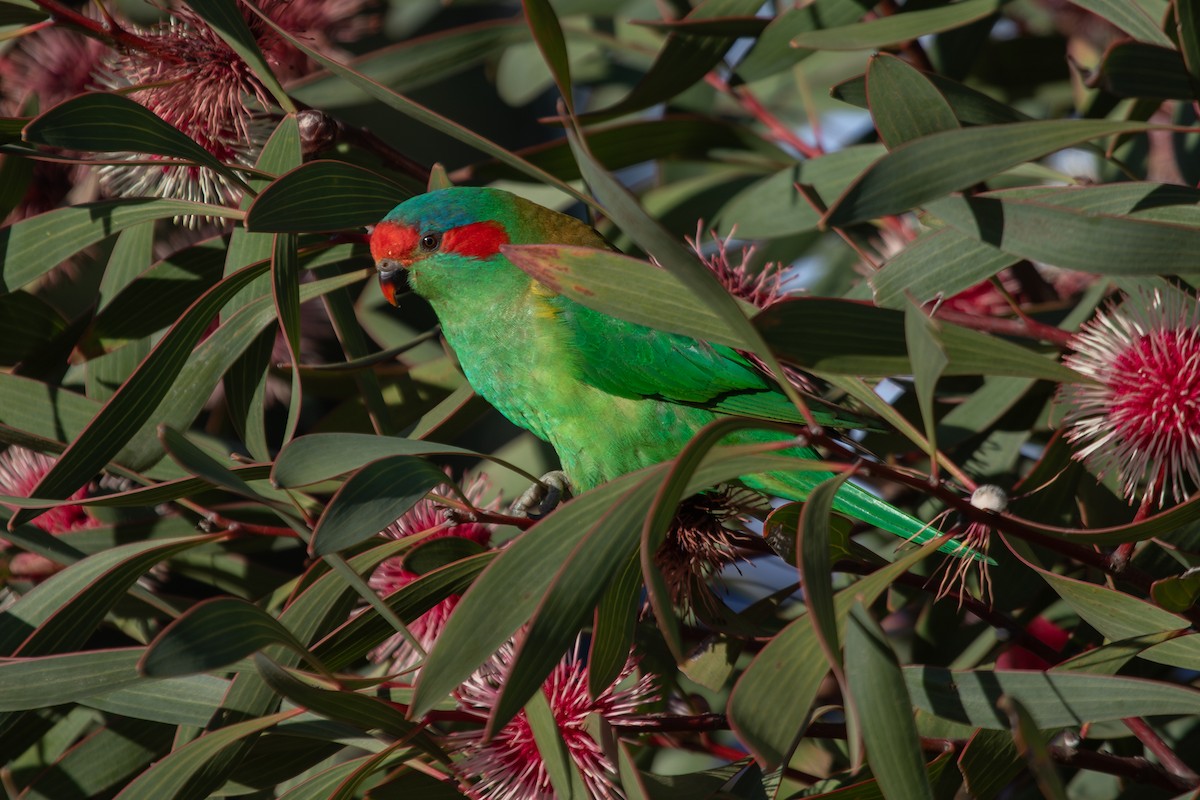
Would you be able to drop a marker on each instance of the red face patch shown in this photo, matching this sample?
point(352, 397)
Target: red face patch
point(477, 240)
point(393, 241)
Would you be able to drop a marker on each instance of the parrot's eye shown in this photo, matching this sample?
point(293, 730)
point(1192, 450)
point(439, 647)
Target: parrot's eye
point(430, 242)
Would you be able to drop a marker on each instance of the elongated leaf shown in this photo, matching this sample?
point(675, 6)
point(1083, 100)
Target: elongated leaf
point(131, 406)
point(372, 499)
point(562, 767)
point(1129, 17)
point(543, 23)
point(173, 701)
point(31, 247)
point(29, 683)
point(870, 341)
point(26, 323)
point(1135, 69)
point(171, 774)
point(773, 50)
point(1054, 699)
point(897, 28)
point(102, 121)
point(929, 360)
point(1115, 245)
point(319, 456)
point(684, 59)
point(99, 763)
point(940, 263)
point(904, 104)
point(324, 196)
point(927, 168)
point(61, 612)
point(874, 677)
point(212, 635)
point(769, 706)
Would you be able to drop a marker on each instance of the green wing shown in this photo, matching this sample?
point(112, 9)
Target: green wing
point(631, 360)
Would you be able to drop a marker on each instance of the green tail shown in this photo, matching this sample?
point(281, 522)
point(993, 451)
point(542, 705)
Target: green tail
point(851, 501)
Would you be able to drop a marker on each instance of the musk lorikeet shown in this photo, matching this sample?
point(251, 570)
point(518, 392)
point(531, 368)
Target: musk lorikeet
point(609, 395)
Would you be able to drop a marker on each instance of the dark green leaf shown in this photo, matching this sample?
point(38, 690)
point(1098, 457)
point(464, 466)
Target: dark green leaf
point(319, 456)
point(372, 499)
point(1136, 69)
point(548, 34)
point(932, 166)
point(874, 677)
point(211, 635)
point(226, 18)
point(904, 104)
point(324, 196)
point(897, 28)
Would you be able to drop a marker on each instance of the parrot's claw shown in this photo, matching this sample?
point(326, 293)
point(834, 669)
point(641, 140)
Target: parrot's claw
point(543, 497)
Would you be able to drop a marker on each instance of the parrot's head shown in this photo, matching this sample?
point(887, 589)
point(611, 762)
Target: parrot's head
point(448, 241)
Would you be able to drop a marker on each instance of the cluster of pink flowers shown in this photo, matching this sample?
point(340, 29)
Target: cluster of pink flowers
point(182, 71)
point(20, 471)
point(508, 765)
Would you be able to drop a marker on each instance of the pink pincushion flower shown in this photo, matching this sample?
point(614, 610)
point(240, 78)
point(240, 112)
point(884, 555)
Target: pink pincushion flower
point(391, 575)
point(20, 472)
point(508, 766)
point(1141, 417)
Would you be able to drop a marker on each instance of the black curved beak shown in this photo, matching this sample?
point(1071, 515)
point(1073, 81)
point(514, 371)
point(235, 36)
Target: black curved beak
point(391, 278)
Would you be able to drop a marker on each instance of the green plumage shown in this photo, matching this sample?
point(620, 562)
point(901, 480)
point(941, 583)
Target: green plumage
point(610, 396)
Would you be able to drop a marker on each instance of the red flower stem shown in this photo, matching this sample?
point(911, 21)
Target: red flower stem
point(107, 31)
point(746, 99)
point(1024, 327)
point(1003, 522)
point(1119, 559)
point(1161, 750)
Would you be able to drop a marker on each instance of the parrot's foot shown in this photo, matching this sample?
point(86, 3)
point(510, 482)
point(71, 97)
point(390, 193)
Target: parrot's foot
point(543, 497)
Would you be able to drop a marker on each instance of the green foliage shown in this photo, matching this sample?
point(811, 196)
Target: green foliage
point(199, 595)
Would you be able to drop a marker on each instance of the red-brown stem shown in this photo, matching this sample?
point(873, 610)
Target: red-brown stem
point(1161, 750)
point(107, 31)
point(1119, 559)
point(1025, 327)
point(756, 109)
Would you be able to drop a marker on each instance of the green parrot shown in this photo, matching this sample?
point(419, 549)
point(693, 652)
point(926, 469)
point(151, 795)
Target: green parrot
point(610, 396)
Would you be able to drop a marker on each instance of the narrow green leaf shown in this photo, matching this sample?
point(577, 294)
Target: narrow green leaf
point(1054, 699)
point(285, 281)
point(769, 706)
point(970, 106)
point(31, 683)
point(213, 634)
point(173, 701)
point(1135, 69)
point(543, 24)
point(1129, 17)
point(870, 342)
point(132, 405)
point(26, 323)
point(33, 246)
point(61, 612)
point(940, 263)
point(560, 764)
point(170, 775)
point(1073, 239)
point(319, 456)
point(989, 763)
point(1032, 744)
point(324, 196)
point(1187, 22)
point(929, 362)
point(773, 51)
point(225, 16)
point(791, 212)
point(372, 499)
point(898, 28)
point(904, 104)
point(103, 121)
point(874, 677)
point(684, 59)
point(613, 629)
point(927, 168)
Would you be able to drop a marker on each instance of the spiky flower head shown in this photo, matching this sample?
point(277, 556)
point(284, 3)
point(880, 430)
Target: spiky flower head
point(430, 518)
point(1140, 419)
point(508, 766)
point(702, 541)
point(760, 289)
point(20, 472)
